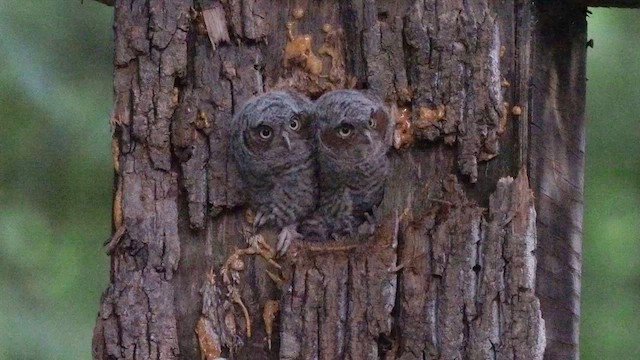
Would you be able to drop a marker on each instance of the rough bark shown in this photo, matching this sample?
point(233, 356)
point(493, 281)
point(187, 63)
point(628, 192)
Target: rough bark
point(454, 269)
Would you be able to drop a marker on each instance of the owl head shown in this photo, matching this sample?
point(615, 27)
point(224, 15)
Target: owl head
point(272, 131)
point(351, 125)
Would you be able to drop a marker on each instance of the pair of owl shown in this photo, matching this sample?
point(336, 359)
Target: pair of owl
point(313, 170)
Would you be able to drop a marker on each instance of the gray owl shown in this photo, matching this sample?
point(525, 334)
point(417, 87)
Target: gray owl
point(353, 136)
point(272, 144)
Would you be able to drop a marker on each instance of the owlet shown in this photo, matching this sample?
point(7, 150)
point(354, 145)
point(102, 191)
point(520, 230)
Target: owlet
point(272, 144)
point(353, 136)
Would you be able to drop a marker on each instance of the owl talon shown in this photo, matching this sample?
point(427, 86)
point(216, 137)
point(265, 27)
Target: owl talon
point(287, 236)
point(257, 219)
point(368, 227)
point(262, 217)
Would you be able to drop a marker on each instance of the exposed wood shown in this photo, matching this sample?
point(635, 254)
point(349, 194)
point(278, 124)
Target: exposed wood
point(454, 269)
point(556, 160)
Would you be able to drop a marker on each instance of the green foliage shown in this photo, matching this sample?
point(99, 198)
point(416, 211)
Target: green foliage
point(611, 252)
point(55, 175)
point(55, 180)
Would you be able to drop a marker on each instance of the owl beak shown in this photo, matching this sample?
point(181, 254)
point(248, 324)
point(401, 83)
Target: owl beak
point(367, 133)
point(286, 139)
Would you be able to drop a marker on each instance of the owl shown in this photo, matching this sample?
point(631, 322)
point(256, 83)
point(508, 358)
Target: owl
point(272, 145)
point(353, 133)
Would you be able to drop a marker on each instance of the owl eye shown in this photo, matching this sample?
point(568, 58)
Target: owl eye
point(372, 123)
point(345, 130)
point(294, 124)
point(265, 132)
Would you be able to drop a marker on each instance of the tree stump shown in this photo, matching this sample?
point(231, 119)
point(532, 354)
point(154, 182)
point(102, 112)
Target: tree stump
point(477, 251)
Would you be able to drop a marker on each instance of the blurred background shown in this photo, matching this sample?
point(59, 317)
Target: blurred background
point(55, 175)
point(55, 180)
point(610, 323)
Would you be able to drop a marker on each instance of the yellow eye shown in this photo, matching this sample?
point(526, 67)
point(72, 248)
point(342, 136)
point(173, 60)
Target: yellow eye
point(345, 130)
point(294, 124)
point(265, 132)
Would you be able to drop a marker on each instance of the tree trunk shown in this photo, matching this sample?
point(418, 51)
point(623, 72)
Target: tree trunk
point(488, 98)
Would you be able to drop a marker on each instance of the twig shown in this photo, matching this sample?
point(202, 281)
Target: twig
point(115, 239)
point(235, 297)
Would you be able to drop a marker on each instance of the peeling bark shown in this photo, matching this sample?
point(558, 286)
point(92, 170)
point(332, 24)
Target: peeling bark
point(453, 270)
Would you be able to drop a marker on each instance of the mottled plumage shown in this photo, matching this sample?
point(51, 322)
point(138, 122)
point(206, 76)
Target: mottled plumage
point(273, 148)
point(353, 135)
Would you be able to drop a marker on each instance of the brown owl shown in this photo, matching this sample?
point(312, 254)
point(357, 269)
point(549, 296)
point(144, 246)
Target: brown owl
point(352, 133)
point(272, 145)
